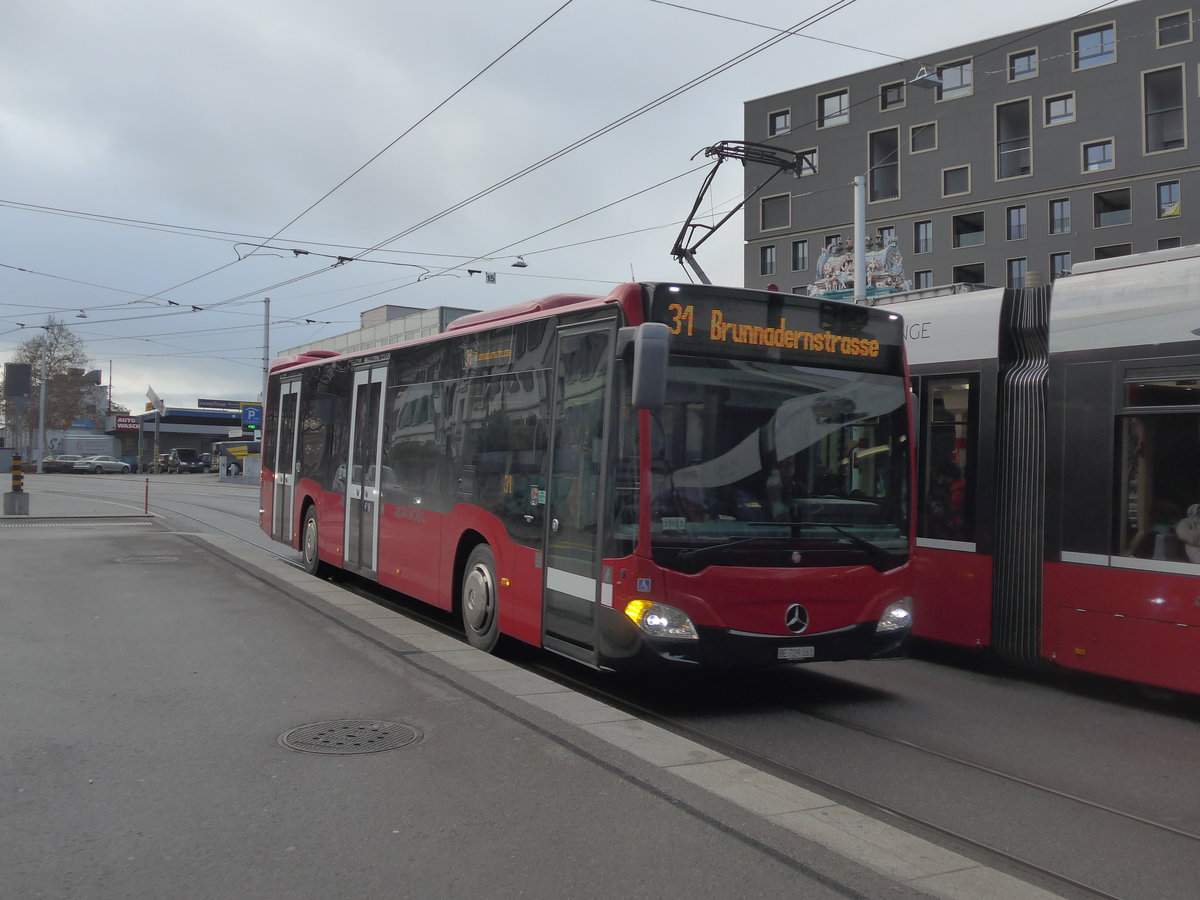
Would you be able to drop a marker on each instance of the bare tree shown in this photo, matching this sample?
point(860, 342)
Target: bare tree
point(70, 393)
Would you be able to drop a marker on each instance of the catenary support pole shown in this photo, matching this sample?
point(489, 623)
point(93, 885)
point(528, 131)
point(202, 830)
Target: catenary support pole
point(41, 463)
point(266, 348)
point(860, 238)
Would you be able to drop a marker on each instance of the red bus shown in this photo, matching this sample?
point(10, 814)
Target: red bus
point(671, 474)
point(1058, 438)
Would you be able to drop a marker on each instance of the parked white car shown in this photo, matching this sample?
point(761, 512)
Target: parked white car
point(101, 465)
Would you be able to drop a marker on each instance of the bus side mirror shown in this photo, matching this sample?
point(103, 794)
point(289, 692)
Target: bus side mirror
point(650, 341)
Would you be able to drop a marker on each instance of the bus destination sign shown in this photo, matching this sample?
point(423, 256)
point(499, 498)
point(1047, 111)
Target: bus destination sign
point(775, 327)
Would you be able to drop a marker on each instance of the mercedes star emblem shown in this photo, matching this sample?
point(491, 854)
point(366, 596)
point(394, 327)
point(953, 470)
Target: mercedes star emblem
point(796, 618)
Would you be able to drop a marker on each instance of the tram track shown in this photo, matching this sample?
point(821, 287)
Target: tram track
point(1006, 776)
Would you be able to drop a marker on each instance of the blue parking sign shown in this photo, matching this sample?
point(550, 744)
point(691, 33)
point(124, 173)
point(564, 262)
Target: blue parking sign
point(252, 417)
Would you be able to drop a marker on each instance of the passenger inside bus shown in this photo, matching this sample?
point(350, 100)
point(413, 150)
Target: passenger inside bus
point(1188, 532)
point(946, 502)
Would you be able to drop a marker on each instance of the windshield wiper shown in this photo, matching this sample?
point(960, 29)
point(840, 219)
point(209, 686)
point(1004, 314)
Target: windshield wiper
point(700, 551)
point(880, 558)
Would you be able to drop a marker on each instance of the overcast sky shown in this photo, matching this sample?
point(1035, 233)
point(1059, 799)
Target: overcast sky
point(147, 147)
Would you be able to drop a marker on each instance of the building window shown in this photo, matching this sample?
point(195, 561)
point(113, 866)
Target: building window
point(968, 229)
point(1017, 221)
point(1022, 65)
point(923, 237)
point(779, 122)
point(1113, 251)
point(806, 162)
point(884, 149)
point(1168, 199)
point(833, 109)
point(1060, 108)
point(1012, 139)
point(1060, 264)
point(956, 181)
point(1174, 29)
point(891, 96)
point(1169, 243)
point(1112, 208)
point(969, 274)
point(1095, 46)
point(956, 80)
point(1017, 269)
point(766, 260)
point(831, 240)
point(799, 255)
point(775, 212)
point(1060, 216)
point(1098, 155)
point(1163, 95)
point(922, 137)
point(923, 278)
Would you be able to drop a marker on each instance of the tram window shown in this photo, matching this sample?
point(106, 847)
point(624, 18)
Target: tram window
point(948, 433)
point(1158, 482)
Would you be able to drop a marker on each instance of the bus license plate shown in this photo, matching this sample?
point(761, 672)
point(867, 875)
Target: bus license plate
point(797, 652)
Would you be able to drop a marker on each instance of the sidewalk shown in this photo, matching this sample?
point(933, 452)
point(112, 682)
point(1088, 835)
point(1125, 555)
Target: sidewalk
point(512, 785)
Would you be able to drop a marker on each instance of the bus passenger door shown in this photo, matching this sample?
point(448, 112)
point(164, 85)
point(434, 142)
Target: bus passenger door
point(574, 498)
point(362, 483)
point(285, 464)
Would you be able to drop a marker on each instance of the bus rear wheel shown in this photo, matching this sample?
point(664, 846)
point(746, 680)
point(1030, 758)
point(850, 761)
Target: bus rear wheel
point(480, 602)
point(309, 545)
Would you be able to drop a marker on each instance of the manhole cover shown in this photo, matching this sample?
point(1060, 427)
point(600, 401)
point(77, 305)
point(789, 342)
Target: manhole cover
point(147, 559)
point(344, 736)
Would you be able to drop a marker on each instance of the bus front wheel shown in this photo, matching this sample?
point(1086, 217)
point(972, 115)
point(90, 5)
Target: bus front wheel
point(479, 599)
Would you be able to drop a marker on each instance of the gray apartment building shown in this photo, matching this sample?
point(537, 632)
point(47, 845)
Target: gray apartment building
point(1022, 153)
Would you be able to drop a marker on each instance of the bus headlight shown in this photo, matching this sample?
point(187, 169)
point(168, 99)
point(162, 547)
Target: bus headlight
point(897, 617)
point(661, 621)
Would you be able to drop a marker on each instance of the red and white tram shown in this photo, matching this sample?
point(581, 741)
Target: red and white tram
point(1059, 468)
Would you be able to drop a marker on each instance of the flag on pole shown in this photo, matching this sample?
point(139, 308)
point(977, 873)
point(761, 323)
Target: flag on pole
point(156, 400)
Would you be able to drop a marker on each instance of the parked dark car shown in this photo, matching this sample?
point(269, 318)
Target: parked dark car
point(185, 459)
point(63, 463)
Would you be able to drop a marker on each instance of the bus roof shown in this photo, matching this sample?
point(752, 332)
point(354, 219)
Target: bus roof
point(516, 310)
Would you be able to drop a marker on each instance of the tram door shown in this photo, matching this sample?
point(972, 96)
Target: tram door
point(285, 463)
point(574, 584)
point(362, 485)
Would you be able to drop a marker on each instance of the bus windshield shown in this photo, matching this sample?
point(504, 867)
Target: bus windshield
point(759, 463)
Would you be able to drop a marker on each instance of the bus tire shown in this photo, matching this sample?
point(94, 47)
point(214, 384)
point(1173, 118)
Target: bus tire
point(480, 600)
point(309, 546)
